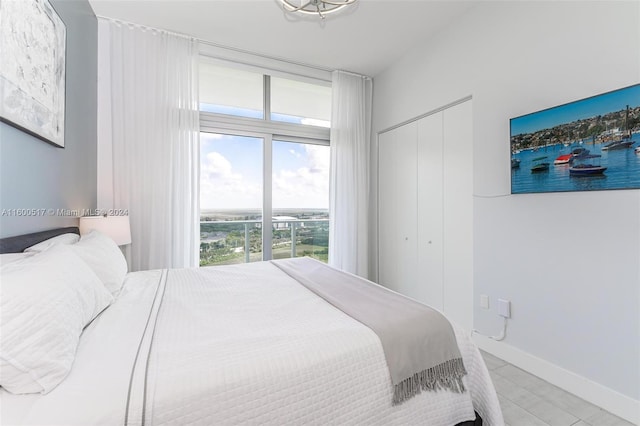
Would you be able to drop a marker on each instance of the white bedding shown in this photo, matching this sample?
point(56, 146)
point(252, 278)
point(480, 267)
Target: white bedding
point(239, 345)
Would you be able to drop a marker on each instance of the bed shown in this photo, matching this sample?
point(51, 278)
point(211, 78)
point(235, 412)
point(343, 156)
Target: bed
point(234, 345)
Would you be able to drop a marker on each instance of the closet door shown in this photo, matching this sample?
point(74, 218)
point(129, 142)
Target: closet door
point(430, 213)
point(398, 209)
point(425, 211)
point(458, 214)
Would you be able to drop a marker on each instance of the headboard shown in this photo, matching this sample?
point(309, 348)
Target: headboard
point(18, 243)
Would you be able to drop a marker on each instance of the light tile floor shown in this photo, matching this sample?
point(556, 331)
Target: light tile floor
point(527, 400)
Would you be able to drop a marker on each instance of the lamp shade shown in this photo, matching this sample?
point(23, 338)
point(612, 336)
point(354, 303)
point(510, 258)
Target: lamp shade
point(115, 227)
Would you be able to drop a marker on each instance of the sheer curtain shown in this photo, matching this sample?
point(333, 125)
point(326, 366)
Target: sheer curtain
point(152, 97)
point(349, 181)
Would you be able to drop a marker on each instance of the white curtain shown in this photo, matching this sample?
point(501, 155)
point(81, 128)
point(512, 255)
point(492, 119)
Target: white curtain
point(349, 182)
point(152, 91)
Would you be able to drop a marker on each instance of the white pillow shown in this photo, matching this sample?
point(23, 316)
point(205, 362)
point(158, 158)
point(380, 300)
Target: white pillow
point(6, 258)
point(45, 302)
point(105, 258)
point(60, 239)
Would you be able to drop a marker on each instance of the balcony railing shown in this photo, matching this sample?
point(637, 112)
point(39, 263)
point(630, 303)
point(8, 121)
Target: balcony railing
point(240, 241)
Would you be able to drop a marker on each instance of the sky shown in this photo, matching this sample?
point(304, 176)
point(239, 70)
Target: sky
point(231, 173)
point(586, 108)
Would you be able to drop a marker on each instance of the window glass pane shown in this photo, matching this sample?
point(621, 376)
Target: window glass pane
point(300, 196)
point(230, 199)
point(231, 91)
point(299, 102)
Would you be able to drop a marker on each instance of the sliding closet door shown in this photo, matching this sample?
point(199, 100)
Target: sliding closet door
point(426, 211)
point(458, 214)
point(398, 209)
point(406, 190)
point(430, 212)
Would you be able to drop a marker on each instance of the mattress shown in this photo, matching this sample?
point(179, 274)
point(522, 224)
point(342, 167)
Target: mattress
point(234, 345)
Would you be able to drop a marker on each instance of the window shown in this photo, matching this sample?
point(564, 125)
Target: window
point(300, 102)
point(230, 91)
point(264, 180)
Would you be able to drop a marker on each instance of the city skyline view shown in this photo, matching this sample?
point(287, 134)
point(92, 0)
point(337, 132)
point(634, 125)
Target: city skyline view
point(578, 110)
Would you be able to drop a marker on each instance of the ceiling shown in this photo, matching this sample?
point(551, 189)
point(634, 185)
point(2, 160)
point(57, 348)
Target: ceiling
point(365, 38)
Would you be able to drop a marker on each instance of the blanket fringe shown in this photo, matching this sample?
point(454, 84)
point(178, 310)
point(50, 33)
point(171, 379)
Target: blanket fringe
point(447, 375)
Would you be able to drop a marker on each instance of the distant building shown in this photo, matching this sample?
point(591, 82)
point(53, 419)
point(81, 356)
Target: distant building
point(283, 222)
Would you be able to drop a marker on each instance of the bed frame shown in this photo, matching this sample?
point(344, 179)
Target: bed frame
point(18, 243)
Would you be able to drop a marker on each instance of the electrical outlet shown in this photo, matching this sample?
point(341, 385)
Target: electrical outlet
point(504, 308)
point(484, 301)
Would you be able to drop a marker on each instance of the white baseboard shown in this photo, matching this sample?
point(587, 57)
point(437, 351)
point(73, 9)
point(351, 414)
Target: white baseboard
point(595, 393)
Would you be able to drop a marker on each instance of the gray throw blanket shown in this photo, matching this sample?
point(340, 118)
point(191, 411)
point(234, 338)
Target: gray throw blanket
point(418, 342)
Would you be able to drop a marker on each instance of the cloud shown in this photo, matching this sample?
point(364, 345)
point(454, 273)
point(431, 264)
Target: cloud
point(207, 140)
point(307, 186)
point(216, 166)
point(294, 153)
point(319, 159)
point(222, 187)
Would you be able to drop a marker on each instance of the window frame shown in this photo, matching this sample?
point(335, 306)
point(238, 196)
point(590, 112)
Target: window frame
point(268, 130)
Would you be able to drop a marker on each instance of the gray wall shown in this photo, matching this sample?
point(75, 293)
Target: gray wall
point(36, 175)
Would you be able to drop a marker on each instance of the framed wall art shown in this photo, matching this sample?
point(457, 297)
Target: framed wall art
point(587, 145)
point(32, 69)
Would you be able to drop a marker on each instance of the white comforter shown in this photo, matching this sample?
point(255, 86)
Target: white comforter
point(238, 345)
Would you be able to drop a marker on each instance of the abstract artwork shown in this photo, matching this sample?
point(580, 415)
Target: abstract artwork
point(32, 68)
point(588, 145)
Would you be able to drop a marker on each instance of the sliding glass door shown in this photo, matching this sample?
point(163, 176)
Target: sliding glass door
point(300, 197)
point(262, 199)
point(231, 195)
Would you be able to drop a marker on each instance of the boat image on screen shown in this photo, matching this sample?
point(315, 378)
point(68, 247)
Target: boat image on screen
point(588, 145)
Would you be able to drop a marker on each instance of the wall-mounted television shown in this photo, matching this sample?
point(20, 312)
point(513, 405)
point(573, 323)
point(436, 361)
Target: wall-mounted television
point(587, 145)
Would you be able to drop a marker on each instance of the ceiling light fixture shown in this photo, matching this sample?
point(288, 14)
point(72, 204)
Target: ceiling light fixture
point(315, 7)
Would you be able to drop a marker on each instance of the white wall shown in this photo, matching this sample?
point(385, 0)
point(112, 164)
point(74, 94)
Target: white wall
point(569, 262)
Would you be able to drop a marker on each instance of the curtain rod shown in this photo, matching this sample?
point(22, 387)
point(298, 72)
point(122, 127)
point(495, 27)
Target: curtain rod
point(275, 58)
point(145, 27)
point(262, 55)
point(355, 74)
point(234, 49)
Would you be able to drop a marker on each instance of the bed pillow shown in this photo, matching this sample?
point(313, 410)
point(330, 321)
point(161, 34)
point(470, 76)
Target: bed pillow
point(45, 302)
point(60, 239)
point(105, 258)
point(6, 258)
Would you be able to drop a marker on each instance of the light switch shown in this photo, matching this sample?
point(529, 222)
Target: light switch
point(484, 301)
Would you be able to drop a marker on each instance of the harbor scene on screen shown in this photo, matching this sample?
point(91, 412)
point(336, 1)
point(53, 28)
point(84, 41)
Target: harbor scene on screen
point(588, 145)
